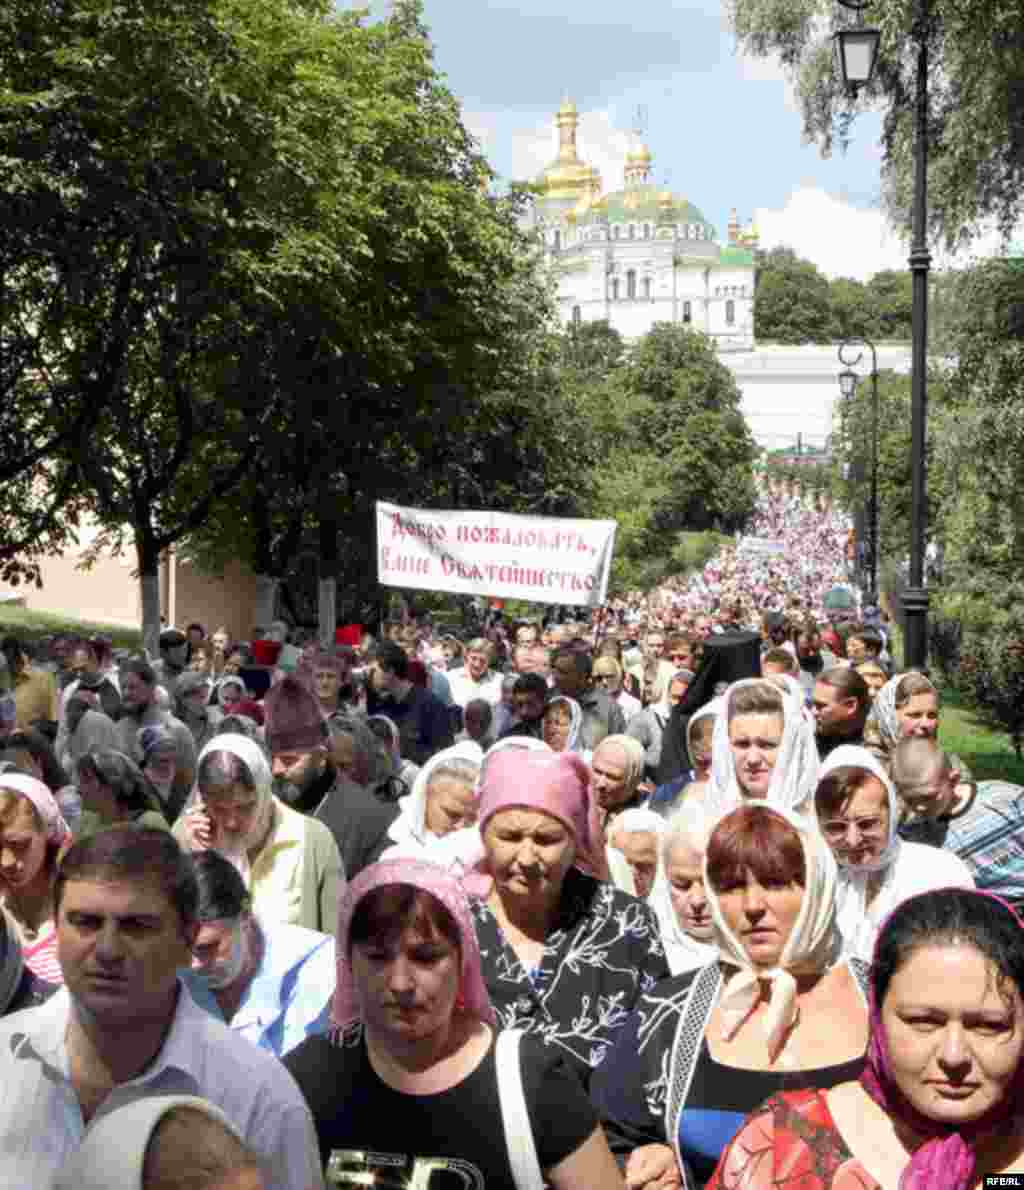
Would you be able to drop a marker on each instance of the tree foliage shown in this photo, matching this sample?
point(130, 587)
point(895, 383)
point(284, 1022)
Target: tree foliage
point(976, 97)
point(674, 454)
point(795, 303)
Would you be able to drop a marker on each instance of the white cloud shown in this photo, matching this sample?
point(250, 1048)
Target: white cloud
point(842, 240)
point(848, 241)
point(599, 142)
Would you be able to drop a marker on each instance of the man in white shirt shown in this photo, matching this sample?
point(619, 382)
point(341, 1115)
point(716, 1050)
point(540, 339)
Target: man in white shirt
point(476, 679)
point(123, 1027)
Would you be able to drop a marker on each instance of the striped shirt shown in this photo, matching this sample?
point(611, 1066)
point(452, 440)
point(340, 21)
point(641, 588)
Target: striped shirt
point(988, 835)
point(41, 955)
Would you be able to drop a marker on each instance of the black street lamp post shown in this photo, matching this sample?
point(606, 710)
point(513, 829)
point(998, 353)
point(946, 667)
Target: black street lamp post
point(848, 387)
point(857, 50)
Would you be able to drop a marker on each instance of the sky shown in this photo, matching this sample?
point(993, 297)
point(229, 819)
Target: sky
point(724, 131)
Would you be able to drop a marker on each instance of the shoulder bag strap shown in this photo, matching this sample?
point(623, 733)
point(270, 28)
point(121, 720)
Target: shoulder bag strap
point(693, 1022)
point(522, 1152)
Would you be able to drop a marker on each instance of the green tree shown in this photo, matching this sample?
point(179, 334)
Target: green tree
point(980, 433)
point(284, 259)
point(890, 298)
point(792, 299)
point(976, 100)
point(852, 313)
point(675, 456)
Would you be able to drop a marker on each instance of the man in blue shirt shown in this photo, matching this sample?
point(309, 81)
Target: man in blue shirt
point(270, 982)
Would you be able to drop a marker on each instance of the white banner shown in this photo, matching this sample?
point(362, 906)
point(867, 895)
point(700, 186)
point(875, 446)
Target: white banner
point(761, 545)
point(541, 559)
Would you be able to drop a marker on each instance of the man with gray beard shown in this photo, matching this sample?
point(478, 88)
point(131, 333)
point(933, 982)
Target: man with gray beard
point(306, 779)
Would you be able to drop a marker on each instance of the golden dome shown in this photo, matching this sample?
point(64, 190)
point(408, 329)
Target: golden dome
point(568, 108)
point(640, 154)
point(666, 198)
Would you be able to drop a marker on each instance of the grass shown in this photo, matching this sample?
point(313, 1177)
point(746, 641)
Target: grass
point(984, 746)
point(31, 626)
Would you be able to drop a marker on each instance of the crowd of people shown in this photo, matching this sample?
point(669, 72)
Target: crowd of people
point(683, 893)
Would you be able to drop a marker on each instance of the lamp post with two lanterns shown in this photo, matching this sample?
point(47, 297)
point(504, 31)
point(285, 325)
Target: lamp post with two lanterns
point(857, 53)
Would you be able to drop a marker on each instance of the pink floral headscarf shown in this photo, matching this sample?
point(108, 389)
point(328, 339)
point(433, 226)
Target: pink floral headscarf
point(946, 1160)
point(430, 878)
point(57, 829)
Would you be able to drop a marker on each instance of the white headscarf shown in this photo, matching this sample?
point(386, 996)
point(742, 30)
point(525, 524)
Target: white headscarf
point(795, 775)
point(461, 849)
point(572, 744)
point(409, 830)
point(709, 710)
point(686, 824)
point(113, 1151)
point(250, 753)
point(633, 821)
point(883, 709)
point(852, 890)
point(813, 945)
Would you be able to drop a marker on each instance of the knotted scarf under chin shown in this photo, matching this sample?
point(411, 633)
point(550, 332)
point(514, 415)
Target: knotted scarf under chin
point(740, 998)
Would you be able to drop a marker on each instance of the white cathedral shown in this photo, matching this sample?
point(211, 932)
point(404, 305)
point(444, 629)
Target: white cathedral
point(641, 254)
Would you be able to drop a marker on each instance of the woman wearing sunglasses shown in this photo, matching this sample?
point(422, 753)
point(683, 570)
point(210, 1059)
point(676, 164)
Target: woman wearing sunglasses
point(857, 812)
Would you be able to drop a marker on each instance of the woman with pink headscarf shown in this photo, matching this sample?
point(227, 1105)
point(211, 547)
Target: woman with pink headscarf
point(566, 955)
point(414, 1078)
point(33, 836)
point(937, 1105)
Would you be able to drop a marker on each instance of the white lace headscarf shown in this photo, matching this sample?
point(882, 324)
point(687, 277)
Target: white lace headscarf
point(795, 775)
point(409, 830)
point(852, 889)
point(883, 709)
point(572, 743)
point(814, 944)
point(687, 825)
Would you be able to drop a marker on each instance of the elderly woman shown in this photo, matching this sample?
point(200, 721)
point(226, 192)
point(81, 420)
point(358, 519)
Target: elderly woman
point(565, 956)
point(937, 1104)
point(633, 850)
point(679, 898)
point(443, 799)
point(561, 723)
point(415, 1062)
point(857, 813)
point(290, 863)
point(389, 750)
point(778, 1008)
point(763, 749)
point(33, 836)
point(617, 766)
point(192, 707)
point(607, 673)
point(158, 753)
point(115, 792)
point(162, 1141)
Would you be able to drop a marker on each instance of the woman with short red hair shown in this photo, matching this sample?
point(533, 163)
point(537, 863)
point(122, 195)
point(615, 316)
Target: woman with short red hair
point(780, 1007)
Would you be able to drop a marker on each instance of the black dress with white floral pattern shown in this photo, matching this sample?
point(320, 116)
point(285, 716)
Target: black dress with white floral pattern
point(603, 953)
